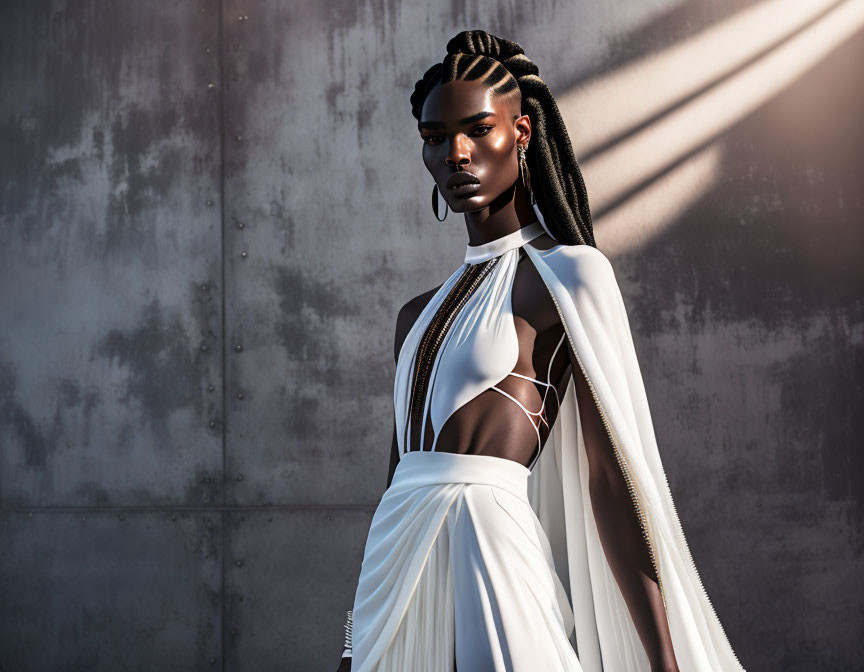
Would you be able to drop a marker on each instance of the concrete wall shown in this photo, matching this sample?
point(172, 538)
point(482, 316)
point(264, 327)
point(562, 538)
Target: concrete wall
point(211, 213)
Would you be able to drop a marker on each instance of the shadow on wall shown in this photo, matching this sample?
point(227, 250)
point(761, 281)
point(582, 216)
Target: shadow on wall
point(649, 135)
point(725, 177)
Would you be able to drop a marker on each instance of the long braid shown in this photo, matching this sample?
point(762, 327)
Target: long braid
point(555, 176)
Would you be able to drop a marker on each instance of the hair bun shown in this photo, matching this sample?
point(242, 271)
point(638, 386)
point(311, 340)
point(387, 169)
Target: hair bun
point(481, 42)
point(506, 52)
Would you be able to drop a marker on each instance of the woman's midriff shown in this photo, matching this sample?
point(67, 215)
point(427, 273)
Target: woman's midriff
point(492, 424)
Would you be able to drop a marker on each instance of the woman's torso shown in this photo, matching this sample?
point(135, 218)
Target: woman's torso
point(507, 328)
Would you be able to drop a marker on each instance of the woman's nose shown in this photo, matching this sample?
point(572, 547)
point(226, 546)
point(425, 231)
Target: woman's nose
point(458, 153)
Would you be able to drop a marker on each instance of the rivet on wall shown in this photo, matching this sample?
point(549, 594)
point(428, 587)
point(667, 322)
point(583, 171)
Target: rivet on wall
point(210, 388)
point(204, 348)
point(208, 202)
point(241, 225)
point(239, 395)
point(244, 254)
point(239, 563)
point(238, 348)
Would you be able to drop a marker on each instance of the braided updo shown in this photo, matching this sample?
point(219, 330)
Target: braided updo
point(555, 176)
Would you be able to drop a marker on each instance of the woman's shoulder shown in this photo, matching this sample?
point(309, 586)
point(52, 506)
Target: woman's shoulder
point(578, 255)
point(413, 307)
point(579, 268)
point(408, 315)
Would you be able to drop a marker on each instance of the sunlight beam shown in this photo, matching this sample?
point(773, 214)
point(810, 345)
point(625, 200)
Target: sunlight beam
point(631, 162)
point(602, 109)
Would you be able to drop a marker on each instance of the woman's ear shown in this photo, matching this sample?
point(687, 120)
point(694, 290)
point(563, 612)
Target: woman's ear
point(523, 129)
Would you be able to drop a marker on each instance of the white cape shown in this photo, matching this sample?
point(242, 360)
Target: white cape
point(583, 285)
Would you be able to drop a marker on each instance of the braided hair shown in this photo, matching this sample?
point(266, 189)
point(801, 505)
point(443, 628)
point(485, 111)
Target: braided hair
point(503, 66)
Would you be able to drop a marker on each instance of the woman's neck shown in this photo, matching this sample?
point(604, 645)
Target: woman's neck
point(500, 218)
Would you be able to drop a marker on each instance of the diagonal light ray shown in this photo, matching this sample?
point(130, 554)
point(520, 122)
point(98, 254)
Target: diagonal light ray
point(605, 108)
point(629, 227)
point(626, 170)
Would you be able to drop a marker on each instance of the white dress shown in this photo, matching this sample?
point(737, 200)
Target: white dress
point(465, 556)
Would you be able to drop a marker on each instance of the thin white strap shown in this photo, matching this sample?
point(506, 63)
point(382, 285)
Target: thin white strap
point(517, 401)
point(513, 373)
point(539, 413)
point(549, 376)
point(557, 398)
point(537, 426)
point(552, 358)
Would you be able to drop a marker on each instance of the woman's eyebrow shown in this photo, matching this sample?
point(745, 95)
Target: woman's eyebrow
point(467, 120)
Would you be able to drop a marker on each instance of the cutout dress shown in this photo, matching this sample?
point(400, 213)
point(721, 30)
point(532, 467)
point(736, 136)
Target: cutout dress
point(477, 563)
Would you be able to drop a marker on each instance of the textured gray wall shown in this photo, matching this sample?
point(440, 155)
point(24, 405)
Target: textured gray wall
point(202, 252)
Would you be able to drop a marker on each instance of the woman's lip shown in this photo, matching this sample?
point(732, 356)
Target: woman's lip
point(462, 177)
point(465, 188)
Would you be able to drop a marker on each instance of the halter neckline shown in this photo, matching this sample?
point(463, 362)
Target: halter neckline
point(474, 254)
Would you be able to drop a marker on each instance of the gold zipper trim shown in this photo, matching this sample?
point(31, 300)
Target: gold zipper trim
point(433, 336)
point(624, 465)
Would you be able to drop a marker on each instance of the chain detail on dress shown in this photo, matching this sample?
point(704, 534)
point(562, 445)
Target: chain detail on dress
point(433, 337)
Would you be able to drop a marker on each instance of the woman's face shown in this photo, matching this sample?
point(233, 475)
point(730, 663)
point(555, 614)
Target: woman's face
point(464, 133)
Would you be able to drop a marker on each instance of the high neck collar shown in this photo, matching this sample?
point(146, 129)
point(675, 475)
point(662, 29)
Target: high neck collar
point(474, 254)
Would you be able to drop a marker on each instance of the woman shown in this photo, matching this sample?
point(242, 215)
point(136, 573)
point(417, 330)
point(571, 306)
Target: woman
point(461, 565)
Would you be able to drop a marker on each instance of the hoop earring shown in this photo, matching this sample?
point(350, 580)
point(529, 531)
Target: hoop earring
point(435, 205)
point(524, 174)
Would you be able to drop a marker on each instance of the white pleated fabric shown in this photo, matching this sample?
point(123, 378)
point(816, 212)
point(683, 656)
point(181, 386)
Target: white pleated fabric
point(582, 284)
point(452, 565)
point(458, 574)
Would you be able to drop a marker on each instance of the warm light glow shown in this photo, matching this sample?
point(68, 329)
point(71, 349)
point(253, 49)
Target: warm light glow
point(651, 211)
point(600, 111)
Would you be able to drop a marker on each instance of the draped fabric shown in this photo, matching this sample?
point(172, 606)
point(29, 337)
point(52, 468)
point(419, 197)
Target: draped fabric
point(407, 580)
point(583, 286)
point(457, 569)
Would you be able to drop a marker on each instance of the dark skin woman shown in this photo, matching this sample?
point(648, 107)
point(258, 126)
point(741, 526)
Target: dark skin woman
point(465, 127)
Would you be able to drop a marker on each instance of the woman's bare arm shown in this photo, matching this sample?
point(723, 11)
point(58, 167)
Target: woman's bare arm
point(394, 457)
point(408, 314)
point(620, 533)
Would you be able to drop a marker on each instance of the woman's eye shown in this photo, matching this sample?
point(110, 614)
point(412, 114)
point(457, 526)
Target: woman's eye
point(479, 131)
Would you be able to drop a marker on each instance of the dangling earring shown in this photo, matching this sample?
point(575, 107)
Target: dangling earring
point(524, 175)
point(435, 205)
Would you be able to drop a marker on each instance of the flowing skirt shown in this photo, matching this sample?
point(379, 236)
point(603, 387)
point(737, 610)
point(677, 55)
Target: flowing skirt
point(458, 575)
